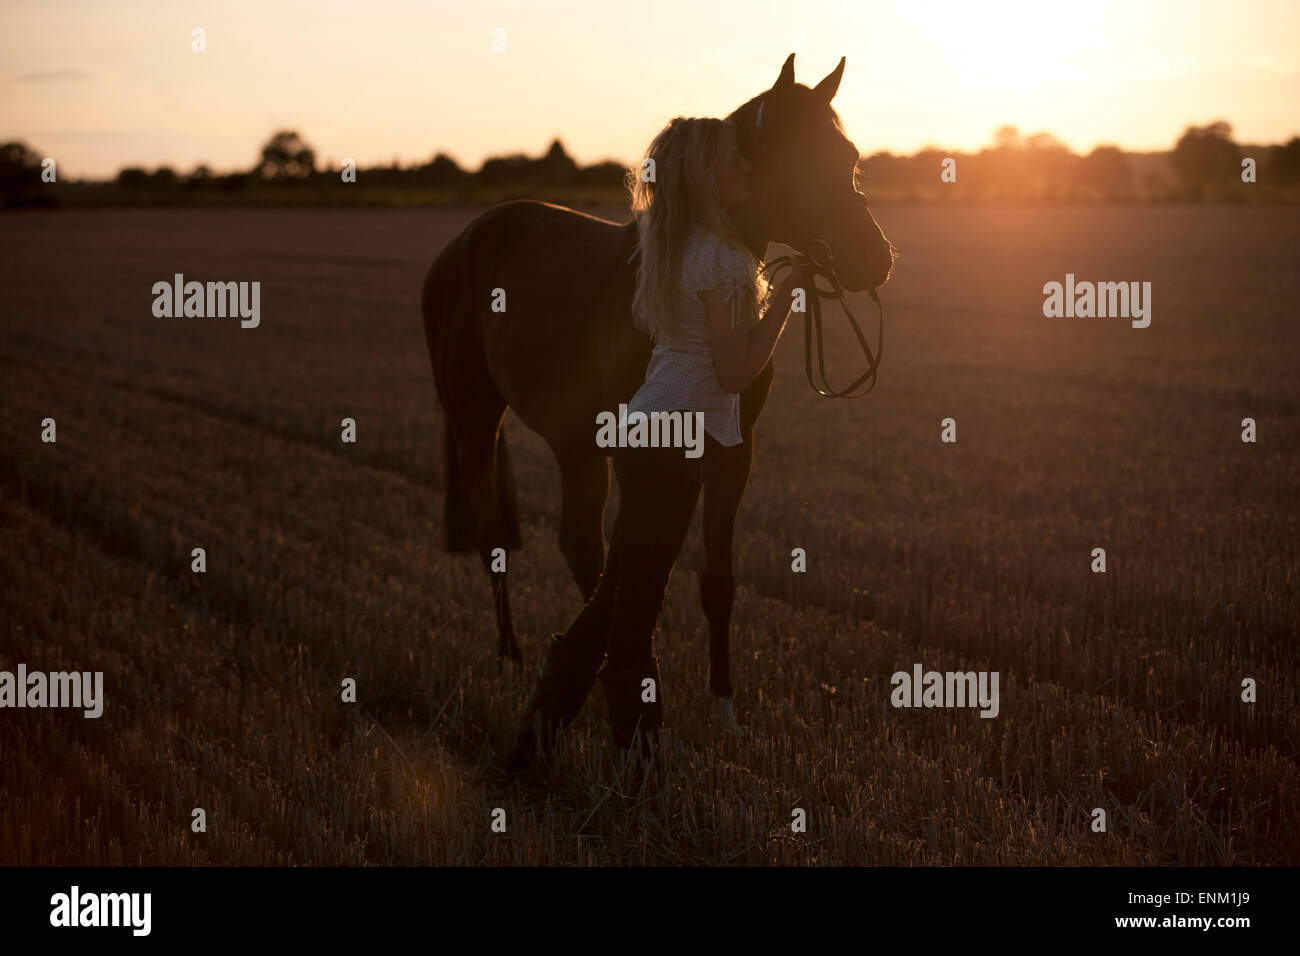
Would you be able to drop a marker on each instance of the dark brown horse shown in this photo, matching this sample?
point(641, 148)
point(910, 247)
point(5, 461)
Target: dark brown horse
point(530, 307)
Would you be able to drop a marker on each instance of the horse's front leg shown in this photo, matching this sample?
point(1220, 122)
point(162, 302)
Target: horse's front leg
point(726, 472)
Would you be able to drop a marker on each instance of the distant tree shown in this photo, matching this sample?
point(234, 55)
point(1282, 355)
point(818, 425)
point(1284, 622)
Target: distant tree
point(1206, 156)
point(1284, 164)
point(883, 172)
point(442, 169)
point(234, 182)
point(286, 156)
point(164, 177)
point(133, 177)
point(918, 175)
point(869, 169)
point(1045, 142)
point(557, 168)
point(609, 174)
point(506, 170)
point(20, 175)
point(199, 178)
point(554, 168)
point(18, 156)
point(1007, 137)
point(1106, 170)
point(1006, 170)
point(1051, 171)
point(1157, 187)
point(443, 172)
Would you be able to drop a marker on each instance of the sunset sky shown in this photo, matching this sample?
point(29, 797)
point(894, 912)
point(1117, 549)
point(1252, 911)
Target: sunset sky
point(99, 84)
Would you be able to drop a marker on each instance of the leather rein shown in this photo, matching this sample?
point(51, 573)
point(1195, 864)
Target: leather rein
point(813, 332)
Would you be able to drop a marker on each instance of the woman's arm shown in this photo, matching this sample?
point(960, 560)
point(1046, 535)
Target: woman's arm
point(739, 354)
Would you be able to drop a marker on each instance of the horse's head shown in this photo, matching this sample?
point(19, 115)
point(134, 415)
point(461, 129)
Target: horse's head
point(804, 190)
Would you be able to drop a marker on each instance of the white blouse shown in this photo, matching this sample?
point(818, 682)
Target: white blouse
point(681, 373)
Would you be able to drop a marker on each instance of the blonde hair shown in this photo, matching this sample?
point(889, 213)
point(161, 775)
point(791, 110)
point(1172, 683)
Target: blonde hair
point(682, 192)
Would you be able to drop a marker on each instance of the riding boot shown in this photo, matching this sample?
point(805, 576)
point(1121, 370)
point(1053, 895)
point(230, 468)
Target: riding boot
point(562, 685)
point(631, 716)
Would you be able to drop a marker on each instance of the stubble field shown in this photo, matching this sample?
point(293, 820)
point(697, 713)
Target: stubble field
point(1120, 691)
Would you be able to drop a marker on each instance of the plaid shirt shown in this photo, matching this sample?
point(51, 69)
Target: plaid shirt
point(681, 373)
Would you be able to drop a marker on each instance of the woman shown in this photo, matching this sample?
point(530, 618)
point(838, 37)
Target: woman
point(697, 295)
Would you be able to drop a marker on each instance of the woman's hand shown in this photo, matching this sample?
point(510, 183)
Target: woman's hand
point(741, 352)
point(800, 276)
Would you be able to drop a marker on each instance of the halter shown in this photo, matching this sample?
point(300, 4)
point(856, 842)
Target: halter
point(825, 267)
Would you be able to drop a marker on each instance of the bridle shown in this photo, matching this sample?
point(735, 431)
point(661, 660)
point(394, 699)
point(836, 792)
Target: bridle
point(812, 330)
point(824, 265)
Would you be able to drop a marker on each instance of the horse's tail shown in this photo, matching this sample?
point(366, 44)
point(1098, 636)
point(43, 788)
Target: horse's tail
point(457, 516)
point(458, 526)
point(507, 494)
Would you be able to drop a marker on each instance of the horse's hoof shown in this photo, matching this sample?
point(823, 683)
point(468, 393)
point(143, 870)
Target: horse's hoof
point(724, 713)
point(522, 757)
point(524, 754)
point(536, 737)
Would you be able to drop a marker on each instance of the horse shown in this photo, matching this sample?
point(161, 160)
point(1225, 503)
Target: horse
point(530, 307)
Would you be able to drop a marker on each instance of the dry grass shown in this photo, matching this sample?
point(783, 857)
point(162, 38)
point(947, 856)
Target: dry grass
point(1117, 690)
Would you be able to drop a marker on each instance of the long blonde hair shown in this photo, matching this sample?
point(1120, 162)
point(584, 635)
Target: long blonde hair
point(680, 192)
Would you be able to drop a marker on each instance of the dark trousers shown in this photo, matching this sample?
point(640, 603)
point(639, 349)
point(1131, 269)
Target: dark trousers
point(658, 490)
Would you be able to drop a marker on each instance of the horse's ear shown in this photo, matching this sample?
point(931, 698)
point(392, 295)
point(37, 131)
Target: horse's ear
point(827, 87)
point(787, 74)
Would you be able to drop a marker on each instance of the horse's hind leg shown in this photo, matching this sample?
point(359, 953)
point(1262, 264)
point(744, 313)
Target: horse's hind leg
point(584, 483)
point(478, 430)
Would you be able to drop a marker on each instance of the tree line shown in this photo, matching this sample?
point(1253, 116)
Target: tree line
point(1204, 165)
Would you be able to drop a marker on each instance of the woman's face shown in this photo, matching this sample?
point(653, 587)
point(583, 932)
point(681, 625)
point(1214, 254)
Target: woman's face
point(732, 174)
